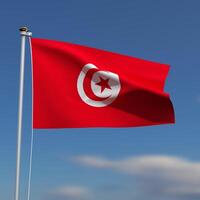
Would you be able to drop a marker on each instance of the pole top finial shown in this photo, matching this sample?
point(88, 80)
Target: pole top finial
point(24, 29)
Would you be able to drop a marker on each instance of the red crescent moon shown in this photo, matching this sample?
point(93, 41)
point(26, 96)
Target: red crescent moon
point(87, 86)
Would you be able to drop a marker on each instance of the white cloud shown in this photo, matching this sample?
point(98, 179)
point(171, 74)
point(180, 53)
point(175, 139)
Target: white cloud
point(71, 192)
point(93, 161)
point(163, 175)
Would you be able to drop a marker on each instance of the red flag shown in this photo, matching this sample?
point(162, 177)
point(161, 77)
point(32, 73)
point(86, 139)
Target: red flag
point(79, 86)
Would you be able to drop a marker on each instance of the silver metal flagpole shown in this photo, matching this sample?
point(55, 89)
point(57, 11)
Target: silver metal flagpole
point(24, 33)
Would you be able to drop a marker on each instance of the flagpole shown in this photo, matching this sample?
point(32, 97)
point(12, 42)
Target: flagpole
point(24, 33)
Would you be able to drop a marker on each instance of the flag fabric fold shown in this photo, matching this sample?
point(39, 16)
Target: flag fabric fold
point(77, 86)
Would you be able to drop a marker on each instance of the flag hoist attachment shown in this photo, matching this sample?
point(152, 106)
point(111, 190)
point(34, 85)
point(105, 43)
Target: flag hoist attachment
point(24, 32)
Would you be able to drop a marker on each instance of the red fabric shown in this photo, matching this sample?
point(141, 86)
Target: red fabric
point(57, 103)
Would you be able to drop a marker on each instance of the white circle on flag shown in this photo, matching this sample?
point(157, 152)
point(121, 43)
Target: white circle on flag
point(104, 85)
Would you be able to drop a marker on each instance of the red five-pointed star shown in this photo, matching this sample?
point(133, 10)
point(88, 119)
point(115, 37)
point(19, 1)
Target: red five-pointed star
point(103, 83)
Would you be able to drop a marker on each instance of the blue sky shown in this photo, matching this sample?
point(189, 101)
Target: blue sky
point(160, 162)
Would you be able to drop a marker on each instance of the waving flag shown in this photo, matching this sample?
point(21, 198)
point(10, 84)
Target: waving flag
point(78, 86)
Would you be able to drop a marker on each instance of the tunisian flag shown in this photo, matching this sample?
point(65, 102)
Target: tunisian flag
point(78, 86)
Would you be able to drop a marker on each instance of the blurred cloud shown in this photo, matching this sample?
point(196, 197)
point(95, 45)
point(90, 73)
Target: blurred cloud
point(70, 192)
point(158, 177)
